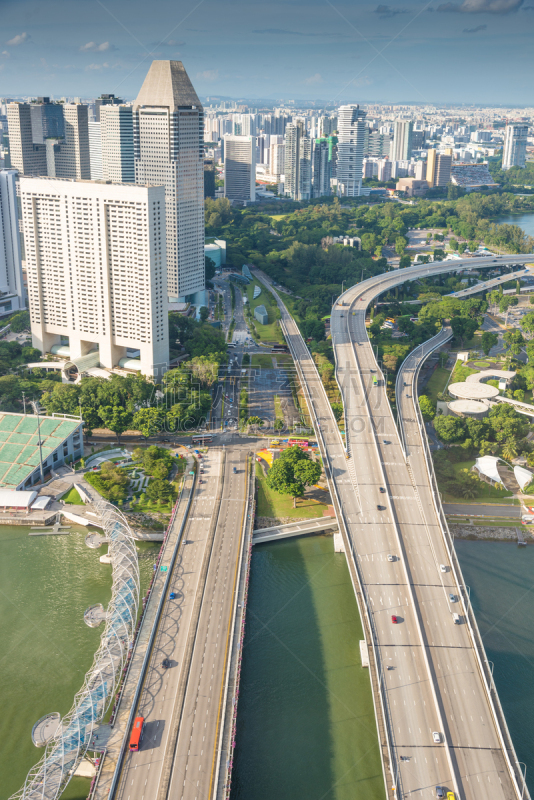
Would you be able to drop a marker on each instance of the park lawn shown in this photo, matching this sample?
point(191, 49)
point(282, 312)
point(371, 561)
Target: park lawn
point(436, 383)
point(278, 413)
point(486, 493)
point(272, 331)
point(261, 362)
point(278, 216)
point(72, 498)
point(461, 372)
point(272, 504)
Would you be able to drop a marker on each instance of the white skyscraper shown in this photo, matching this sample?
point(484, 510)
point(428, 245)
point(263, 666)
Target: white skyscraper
point(515, 146)
point(117, 143)
point(95, 262)
point(68, 156)
point(95, 150)
point(350, 150)
point(169, 150)
point(240, 168)
point(11, 285)
point(27, 157)
point(277, 154)
point(402, 141)
point(298, 167)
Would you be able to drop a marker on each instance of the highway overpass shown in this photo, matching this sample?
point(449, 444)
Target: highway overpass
point(429, 675)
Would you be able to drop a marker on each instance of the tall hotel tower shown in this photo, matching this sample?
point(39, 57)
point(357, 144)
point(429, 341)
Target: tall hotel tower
point(169, 151)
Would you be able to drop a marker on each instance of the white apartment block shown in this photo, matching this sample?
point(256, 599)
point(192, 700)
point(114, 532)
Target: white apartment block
point(402, 141)
point(240, 168)
point(95, 150)
point(69, 157)
point(169, 151)
point(515, 146)
point(96, 270)
point(350, 150)
point(11, 285)
point(27, 157)
point(277, 156)
point(116, 125)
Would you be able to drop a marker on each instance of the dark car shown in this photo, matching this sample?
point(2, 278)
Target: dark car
point(166, 663)
point(440, 791)
point(172, 596)
point(381, 508)
point(394, 619)
point(382, 490)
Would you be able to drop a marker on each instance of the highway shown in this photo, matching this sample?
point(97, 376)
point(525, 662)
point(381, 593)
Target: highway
point(182, 704)
point(434, 682)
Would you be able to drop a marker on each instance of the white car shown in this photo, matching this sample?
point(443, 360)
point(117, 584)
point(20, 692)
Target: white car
point(453, 598)
point(443, 568)
point(436, 736)
point(391, 558)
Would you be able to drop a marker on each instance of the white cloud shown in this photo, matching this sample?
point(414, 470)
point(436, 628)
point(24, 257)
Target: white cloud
point(20, 38)
point(105, 65)
point(482, 6)
point(314, 80)
point(93, 47)
point(209, 75)
point(6, 53)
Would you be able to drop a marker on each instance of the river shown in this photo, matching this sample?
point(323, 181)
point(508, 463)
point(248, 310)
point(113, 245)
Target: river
point(525, 221)
point(46, 583)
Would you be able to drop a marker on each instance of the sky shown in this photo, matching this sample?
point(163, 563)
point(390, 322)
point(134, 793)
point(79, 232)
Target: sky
point(325, 51)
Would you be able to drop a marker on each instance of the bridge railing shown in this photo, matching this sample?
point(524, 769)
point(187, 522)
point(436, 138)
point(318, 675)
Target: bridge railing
point(518, 779)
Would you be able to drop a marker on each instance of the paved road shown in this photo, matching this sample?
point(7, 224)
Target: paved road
point(182, 704)
point(474, 510)
point(435, 684)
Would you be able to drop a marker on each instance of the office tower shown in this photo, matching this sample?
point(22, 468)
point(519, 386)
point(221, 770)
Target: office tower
point(350, 147)
point(240, 168)
point(244, 124)
point(402, 141)
point(384, 170)
point(68, 157)
point(321, 168)
point(11, 285)
point(95, 150)
point(106, 100)
point(377, 144)
point(47, 120)
point(169, 150)
point(418, 140)
point(419, 171)
point(209, 177)
point(95, 261)
point(515, 146)
point(369, 168)
point(328, 125)
point(277, 155)
point(297, 167)
point(438, 168)
point(116, 125)
point(28, 158)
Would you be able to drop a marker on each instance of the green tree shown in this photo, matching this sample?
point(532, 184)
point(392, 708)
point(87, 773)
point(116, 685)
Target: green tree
point(401, 244)
point(337, 408)
point(428, 407)
point(488, 341)
point(453, 244)
point(464, 328)
point(292, 472)
point(450, 429)
point(148, 421)
point(513, 339)
point(519, 394)
point(159, 489)
point(509, 450)
point(204, 313)
point(116, 419)
point(462, 247)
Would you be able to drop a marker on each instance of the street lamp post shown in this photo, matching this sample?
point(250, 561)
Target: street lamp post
point(36, 409)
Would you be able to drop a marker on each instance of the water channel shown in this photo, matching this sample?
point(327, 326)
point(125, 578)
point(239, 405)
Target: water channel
point(525, 221)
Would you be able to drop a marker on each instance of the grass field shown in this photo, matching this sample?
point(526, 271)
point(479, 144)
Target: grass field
point(436, 383)
point(278, 216)
point(270, 332)
point(72, 498)
point(261, 362)
point(272, 504)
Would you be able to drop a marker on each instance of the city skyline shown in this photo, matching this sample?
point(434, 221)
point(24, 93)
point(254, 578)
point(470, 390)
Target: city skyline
point(334, 52)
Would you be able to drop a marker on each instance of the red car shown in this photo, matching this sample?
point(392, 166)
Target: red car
point(394, 619)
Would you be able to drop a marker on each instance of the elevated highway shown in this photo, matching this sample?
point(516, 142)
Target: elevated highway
point(429, 673)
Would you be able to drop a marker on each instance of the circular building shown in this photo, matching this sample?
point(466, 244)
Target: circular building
point(473, 391)
point(468, 408)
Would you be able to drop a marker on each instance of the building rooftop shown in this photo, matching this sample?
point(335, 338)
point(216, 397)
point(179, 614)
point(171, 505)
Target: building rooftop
point(167, 84)
point(19, 443)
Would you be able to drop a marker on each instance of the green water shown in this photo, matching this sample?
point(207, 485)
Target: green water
point(306, 726)
point(46, 583)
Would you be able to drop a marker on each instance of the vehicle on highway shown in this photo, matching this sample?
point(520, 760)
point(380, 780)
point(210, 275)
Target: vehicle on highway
point(436, 736)
point(385, 441)
point(456, 619)
point(375, 382)
point(408, 395)
point(453, 598)
point(443, 568)
point(166, 663)
point(380, 508)
point(137, 733)
point(391, 558)
point(235, 470)
point(440, 791)
point(206, 438)
point(394, 619)
point(172, 596)
point(450, 796)
point(382, 490)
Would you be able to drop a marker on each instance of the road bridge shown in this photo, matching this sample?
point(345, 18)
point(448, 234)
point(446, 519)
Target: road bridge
point(403, 568)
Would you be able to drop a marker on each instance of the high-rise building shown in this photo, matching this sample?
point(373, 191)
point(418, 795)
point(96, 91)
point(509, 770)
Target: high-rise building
point(116, 125)
point(106, 100)
point(12, 295)
point(321, 168)
point(297, 167)
point(377, 144)
point(95, 262)
point(402, 141)
point(95, 150)
point(69, 157)
point(169, 150)
point(209, 177)
point(350, 150)
point(384, 170)
point(47, 120)
point(277, 154)
point(515, 146)
point(438, 168)
point(240, 168)
point(28, 158)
